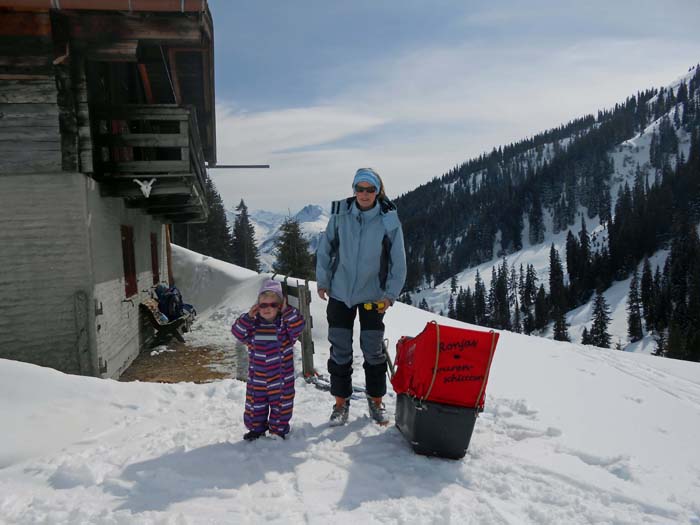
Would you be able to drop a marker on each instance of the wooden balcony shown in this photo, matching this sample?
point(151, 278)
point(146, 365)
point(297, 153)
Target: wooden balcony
point(156, 145)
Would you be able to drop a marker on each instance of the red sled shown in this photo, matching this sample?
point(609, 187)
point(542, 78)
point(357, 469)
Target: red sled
point(441, 377)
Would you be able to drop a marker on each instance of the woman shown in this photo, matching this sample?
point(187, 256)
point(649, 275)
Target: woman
point(361, 265)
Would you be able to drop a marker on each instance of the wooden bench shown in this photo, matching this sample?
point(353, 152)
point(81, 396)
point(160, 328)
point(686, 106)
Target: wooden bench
point(165, 330)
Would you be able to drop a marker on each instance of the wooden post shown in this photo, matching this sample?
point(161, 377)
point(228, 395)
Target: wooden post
point(307, 342)
point(169, 254)
point(300, 293)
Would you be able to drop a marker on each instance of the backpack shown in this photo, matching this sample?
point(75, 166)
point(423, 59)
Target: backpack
point(170, 302)
point(386, 206)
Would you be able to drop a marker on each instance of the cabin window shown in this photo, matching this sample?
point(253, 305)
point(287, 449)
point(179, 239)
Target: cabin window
point(130, 286)
point(155, 268)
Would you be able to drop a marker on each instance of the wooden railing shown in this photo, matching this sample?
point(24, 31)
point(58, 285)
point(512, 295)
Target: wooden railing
point(159, 140)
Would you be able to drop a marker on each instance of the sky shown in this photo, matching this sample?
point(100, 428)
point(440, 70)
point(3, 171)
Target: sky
point(318, 89)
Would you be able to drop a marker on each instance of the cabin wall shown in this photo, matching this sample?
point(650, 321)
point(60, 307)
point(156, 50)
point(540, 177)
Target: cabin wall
point(45, 272)
point(117, 323)
point(30, 141)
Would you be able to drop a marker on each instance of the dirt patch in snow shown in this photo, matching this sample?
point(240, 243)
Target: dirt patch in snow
point(178, 363)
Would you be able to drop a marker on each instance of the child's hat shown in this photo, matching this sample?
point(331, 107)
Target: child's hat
point(273, 286)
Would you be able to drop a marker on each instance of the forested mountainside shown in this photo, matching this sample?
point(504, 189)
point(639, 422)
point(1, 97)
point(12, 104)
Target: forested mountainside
point(634, 170)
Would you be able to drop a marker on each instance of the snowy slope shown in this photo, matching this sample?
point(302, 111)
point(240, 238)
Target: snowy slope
point(627, 157)
point(570, 434)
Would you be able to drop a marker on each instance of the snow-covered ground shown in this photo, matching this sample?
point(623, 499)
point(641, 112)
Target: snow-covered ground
point(570, 434)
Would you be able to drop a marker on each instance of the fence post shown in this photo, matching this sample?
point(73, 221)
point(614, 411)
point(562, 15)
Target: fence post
point(307, 342)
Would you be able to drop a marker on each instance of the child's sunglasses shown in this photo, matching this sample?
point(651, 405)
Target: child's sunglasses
point(367, 189)
point(268, 305)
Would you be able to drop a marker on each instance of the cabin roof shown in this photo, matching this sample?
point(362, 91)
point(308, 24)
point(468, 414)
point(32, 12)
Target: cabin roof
point(171, 40)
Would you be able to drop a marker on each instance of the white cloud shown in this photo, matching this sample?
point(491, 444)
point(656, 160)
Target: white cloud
point(428, 110)
point(246, 138)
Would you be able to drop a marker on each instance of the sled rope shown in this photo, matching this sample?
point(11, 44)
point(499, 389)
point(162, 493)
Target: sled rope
point(488, 369)
point(437, 358)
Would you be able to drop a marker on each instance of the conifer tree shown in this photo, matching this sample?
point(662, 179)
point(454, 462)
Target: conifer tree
point(243, 247)
point(468, 312)
point(584, 261)
point(479, 300)
point(647, 295)
point(451, 313)
point(561, 332)
point(516, 325)
point(453, 284)
point(292, 249)
point(601, 318)
point(212, 238)
point(405, 298)
point(536, 221)
point(585, 338)
point(541, 308)
point(557, 291)
point(634, 314)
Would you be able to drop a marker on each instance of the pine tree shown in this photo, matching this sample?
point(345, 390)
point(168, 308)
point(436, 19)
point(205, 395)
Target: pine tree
point(647, 295)
point(516, 325)
point(292, 249)
point(405, 298)
point(541, 308)
point(536, 221)
point(585, 338)
point(243, 247)
point(453, 284)
point(479, 300)
point(212, 238)
point(451, 313)
point(601, 318)
point(423, 305)
point(584, 261)
point(634, 307)
point(557, 291)
point(561, 332)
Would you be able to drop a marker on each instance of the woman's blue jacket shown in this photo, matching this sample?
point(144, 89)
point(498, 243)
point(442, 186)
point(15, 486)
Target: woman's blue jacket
point(360, 257)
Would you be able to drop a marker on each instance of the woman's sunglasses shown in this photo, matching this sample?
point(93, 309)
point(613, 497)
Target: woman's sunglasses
point(268, 305)
point(367, 189)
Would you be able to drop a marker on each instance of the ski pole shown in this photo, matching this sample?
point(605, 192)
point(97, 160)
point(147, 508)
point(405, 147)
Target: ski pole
point(385, 348)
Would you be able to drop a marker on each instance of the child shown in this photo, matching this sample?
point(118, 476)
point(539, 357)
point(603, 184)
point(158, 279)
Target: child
point(269, 329)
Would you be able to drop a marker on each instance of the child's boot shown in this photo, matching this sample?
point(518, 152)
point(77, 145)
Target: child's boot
point(252, 435)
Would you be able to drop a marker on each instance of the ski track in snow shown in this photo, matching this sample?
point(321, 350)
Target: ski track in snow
point(173, 454)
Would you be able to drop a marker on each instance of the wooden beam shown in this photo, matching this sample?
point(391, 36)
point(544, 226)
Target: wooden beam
point(169, 255)
point(146, 82)
point(22, 23)
point(172, 66)
point(28, 92)
point(133, 191)
point(124, 51)
point(144, 140)
point(169, 168)
point(87, 27)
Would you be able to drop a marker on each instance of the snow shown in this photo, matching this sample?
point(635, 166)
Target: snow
point(570, 434)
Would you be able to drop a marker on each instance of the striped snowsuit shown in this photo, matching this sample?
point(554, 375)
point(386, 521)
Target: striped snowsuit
point(269, 397)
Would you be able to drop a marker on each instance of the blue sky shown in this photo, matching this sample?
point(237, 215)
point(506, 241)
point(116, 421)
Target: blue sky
point(412, 88)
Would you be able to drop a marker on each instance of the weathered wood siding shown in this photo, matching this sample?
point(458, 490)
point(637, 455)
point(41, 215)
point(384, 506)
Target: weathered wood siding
point(30, 141)
point(116, 326)
point(45, 281)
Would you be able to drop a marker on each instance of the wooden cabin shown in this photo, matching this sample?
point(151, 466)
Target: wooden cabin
point(106, 127)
